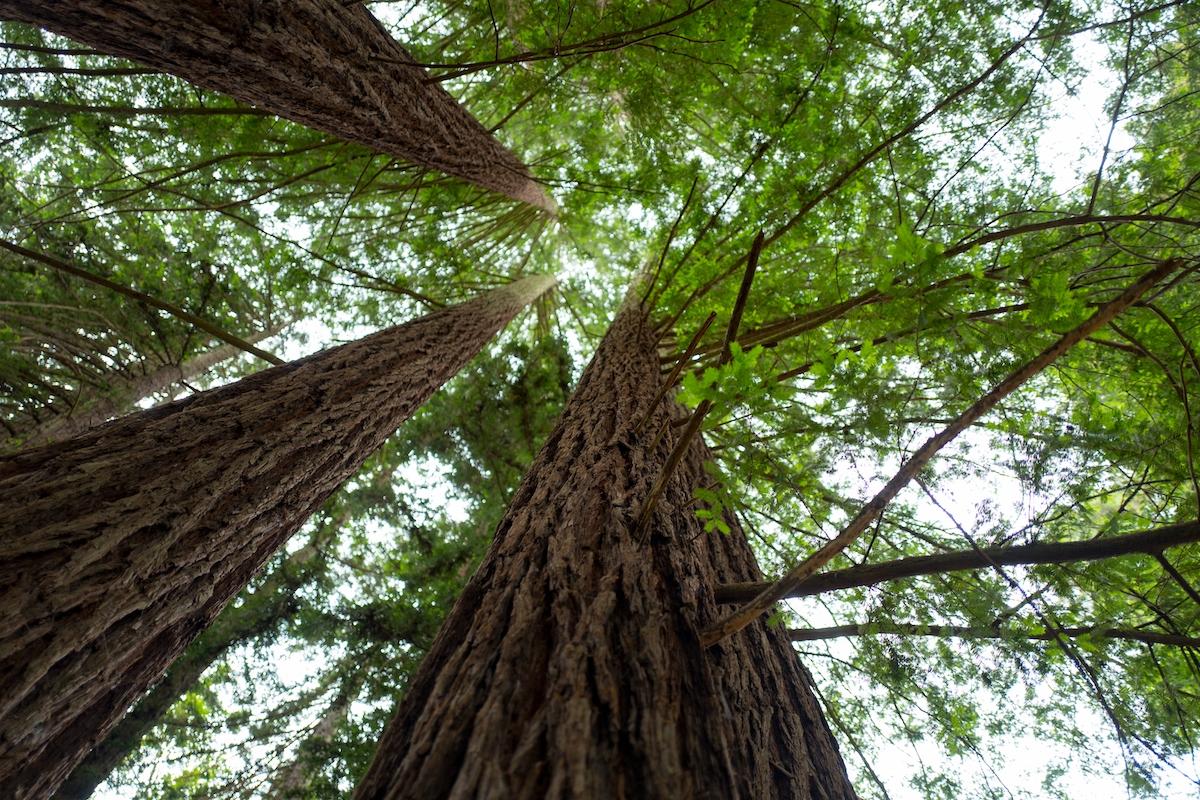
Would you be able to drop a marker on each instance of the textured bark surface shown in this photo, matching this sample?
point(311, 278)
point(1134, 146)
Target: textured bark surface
point(571, 666)
point(119, 546)
point(325, 63)
point(259, 613)
point(125, 393)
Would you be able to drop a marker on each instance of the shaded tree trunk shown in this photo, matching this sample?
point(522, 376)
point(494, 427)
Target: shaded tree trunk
point(126, 393)
point(327, 64)
point(119, 546)
point(572, 667)
point(260, 613)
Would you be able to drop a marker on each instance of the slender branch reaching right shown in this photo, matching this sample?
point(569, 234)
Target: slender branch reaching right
point(963, 632)
point(1151, 542)
point(788, 583)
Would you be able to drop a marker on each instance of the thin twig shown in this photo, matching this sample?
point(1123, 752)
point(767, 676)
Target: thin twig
point(1177, 577)
point(679, 365)
point(173, 310)
point(670, 238)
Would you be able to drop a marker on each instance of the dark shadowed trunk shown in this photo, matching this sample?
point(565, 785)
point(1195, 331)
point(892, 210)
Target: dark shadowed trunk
point(119, 546)
point(325, 63)
point(125, 393)
point(572, 667)
point(258, 613)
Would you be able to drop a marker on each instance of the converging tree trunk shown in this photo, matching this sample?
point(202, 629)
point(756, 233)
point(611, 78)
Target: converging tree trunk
point(117, 547)
point(572, 666)
point(125, 393)
point(260, 613)
point(327, 64)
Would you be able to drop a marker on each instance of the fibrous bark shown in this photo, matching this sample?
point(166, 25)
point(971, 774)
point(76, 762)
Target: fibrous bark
point(119, 546)
point(259, 613)
point(125, 393)
point(327, 64)
point(572, 666)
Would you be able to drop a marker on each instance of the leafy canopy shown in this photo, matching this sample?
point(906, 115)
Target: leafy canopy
point(932, 220)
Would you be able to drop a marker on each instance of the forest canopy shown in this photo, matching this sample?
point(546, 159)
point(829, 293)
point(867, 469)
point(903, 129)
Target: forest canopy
point(902, 204)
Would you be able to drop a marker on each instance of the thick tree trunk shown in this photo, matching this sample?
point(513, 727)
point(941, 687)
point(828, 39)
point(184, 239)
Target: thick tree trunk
point(126, 393)
point(258, 613)
point(572, 667)
point(119, 546)
point(328, 64)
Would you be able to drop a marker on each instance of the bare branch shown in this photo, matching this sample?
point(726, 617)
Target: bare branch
point(964, 632)
point(173, 310)
point(1150, 542)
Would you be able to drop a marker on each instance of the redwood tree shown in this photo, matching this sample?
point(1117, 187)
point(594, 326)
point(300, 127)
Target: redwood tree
point(325, 63)
point(120, 545)
point(260, 613)
point(919, 244)
point(572, 665)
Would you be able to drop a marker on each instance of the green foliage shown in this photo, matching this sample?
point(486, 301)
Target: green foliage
point(909, 269)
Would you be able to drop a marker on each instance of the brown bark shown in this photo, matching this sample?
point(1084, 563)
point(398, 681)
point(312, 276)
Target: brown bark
point(327, 64)
point(119, 546)
point(260, 612)
point(572, 665)
point(124, 394)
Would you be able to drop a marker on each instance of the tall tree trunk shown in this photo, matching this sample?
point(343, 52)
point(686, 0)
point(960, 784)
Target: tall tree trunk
point(126, 393)
point(291, 781)
point(328, 64)
point(572, 667)
point(119, 546)
point(260, 612)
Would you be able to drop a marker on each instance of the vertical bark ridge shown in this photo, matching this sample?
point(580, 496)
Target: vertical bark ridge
point(119, 546)
point(260, 612)
point(572, 666)
point(327, 64)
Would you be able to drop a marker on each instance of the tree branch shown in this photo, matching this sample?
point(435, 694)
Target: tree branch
point(1150, 542)
point(134, 294)
point(963, 632)
point(693, 425)
point(788, 583)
